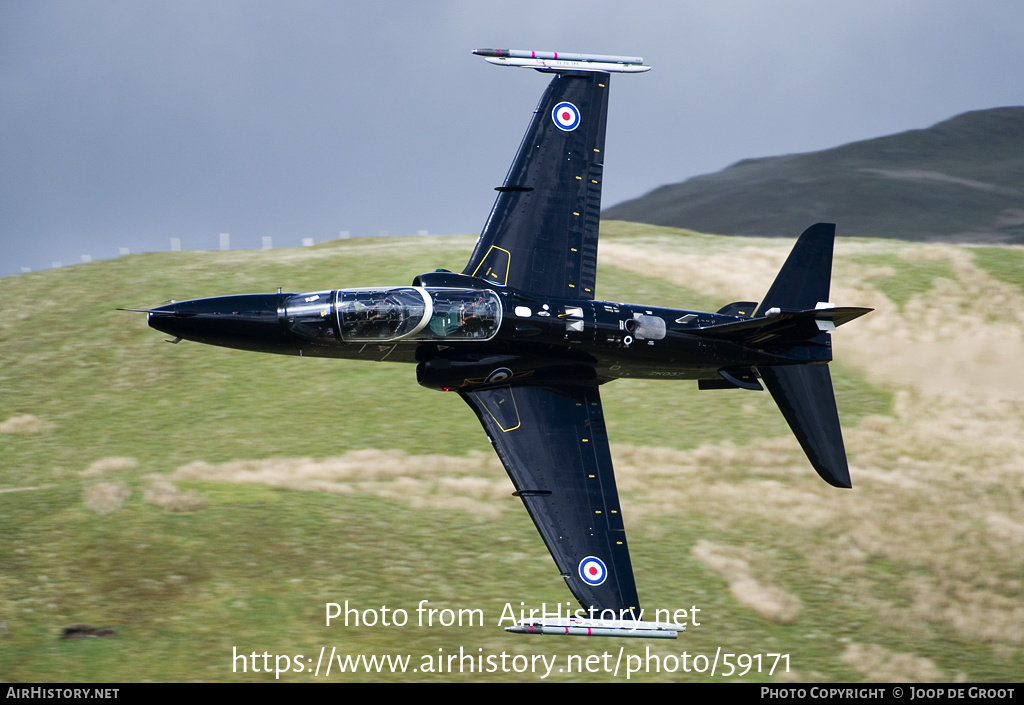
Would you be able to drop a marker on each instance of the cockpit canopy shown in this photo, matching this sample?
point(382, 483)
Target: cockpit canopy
point(380, 314)
point(397, 313)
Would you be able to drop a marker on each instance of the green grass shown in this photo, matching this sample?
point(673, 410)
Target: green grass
point(1003, 263)
point(909, 279)
point(254, 568)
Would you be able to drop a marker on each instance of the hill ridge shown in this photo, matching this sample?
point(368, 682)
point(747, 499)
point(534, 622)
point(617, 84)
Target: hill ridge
point(960, 180)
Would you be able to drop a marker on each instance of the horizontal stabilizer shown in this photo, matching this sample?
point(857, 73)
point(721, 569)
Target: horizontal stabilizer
point(805, 397)
point(792, 325)
point(578, 626)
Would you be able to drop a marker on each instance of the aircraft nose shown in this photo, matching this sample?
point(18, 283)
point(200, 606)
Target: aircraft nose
point(249, 322)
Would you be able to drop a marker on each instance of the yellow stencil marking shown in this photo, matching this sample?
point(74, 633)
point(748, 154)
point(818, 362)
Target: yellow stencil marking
point(497, 267)
point(515, 410)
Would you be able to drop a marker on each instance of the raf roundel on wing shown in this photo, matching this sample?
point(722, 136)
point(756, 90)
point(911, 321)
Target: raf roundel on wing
point(593, 570)
point(566, 116)
point(499, 375)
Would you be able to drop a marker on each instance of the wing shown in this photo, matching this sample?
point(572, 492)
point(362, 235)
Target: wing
point(552, 440)
point(541, 236)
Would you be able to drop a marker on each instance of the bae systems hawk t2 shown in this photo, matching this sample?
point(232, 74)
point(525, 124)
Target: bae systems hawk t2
point(521, 338)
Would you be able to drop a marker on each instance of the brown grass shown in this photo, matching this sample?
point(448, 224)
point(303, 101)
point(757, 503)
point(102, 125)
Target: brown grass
point(765, 599)
point(24, 424)
point(167, 495)
point(471, 484)
point(106, 497)
point(105, 465)
point(881, 665)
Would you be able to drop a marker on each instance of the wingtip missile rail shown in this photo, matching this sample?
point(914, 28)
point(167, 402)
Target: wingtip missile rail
point(578, 626)
point(562, 61)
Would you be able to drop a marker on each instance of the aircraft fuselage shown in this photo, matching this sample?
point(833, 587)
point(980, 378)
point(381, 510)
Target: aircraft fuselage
point(464, 332)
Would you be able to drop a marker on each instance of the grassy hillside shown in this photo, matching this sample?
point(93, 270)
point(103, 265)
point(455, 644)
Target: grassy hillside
point(206, 503)
point(961, 180)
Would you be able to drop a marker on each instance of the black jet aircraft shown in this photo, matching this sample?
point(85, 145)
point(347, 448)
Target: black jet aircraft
point(520, 337)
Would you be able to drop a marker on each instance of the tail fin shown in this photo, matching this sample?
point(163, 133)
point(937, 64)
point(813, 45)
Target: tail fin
point(804, 279)
point(804, 391)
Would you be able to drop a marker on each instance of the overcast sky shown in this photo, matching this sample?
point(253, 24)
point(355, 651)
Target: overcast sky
point(125, 123)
